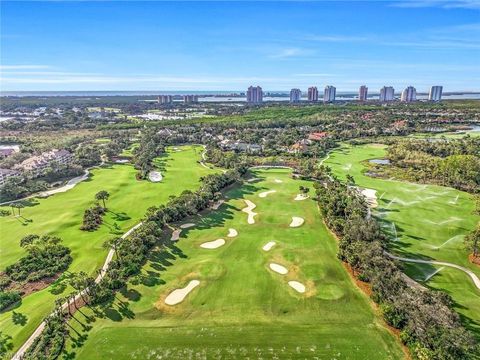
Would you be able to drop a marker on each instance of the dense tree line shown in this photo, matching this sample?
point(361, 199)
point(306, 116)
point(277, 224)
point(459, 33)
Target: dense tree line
point(453, 162)
point(151, 146)
point(427, 323)
point(46, 257)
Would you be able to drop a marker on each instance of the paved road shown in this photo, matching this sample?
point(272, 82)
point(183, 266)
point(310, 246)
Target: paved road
point(469, 272)
point(38, 331)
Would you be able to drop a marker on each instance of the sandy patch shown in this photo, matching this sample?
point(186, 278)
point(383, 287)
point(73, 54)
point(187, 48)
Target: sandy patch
point(282, 270)
point(232, 233)
point(122, 161)
point(176, 234)
point(254, 179)
point(155, 176)
point(187, 225)
point(265, 193)
point(297, 286)
point(213, 244)
point(268, 246)
point(301, 197)
point(278, 181)
point(70, 185)
point(217, 204)
point(371, 197)
point(178, 295)
point(248, 210)
point(296, 221)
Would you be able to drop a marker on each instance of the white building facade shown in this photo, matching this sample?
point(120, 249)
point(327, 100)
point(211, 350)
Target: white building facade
point(435, 93)
point(254, 95)
point(295, 95)
point(329, 93)
point(387, 93)
point(362, 93)
point(409, 94)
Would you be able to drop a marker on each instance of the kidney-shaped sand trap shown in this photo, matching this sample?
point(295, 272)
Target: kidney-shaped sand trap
point(155, 176)
point(178, 295)
point(297, 286)
point(187, 225)
point(301, 197)
point(278, 268)
point(248, 210)
point(232, 232)
point(296, 221)
point(278, 181)
point(213, 244)
point(265, 193)
point(268, 246)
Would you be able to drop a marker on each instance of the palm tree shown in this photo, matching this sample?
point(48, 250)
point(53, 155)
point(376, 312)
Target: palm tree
point(113, 244)
point(102, 195)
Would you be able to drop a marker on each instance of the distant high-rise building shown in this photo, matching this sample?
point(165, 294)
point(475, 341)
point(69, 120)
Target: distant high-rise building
point(362, 93)
point(387, 93)
point(409, 94)
point(329, 93)
point(312, 93)
point(188, 99)
point(295, 95)
point(435, 93)
point(254, 95)
point(165, 99)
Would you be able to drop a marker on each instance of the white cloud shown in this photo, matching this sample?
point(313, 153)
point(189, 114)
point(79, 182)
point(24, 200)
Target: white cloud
point(445, 4)
point(290, 52)
point(23, 67)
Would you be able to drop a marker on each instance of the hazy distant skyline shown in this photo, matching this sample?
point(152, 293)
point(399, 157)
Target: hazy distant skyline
point(54, 46)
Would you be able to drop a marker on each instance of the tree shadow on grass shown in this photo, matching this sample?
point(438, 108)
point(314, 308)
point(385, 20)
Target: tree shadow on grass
point(19, 318)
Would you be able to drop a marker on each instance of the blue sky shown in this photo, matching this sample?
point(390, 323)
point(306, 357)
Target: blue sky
point(79, 45)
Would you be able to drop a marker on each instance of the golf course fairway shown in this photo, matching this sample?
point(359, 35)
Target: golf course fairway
point(61, 215)
point(426, 222)
point(236, 306)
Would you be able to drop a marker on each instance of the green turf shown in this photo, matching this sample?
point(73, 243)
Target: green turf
point(242, 309)
point(61, 214)
point(429, 221)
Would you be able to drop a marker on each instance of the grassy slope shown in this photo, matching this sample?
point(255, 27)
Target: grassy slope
point(62, 214)
point(241, 308)
point(428, 217)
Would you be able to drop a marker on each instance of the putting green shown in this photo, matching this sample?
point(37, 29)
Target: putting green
point(62, 214)
point(423, 221)
point(241, 308)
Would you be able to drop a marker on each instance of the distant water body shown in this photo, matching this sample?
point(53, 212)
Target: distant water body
point(216, 96)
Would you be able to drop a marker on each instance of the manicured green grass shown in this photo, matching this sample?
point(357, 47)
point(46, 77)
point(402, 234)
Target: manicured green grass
point(423, 221)
point(62, 214)
point(242, 309)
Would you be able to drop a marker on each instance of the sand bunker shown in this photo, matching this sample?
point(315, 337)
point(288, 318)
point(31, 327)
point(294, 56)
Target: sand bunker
point(265, 193)
point(278, 181)
point(217, 204)
point(370, 196)
point(187, 225)
point(155, 176)
point(299, 287)
point(248, 210)
point(300, 197)
point(176, 234)
point(213, 244)
point(296, 221)
point(254, 179)
point(178, 295)
point(122, 161)
point(282, 270)
point(232, 233)
point(268, 246)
